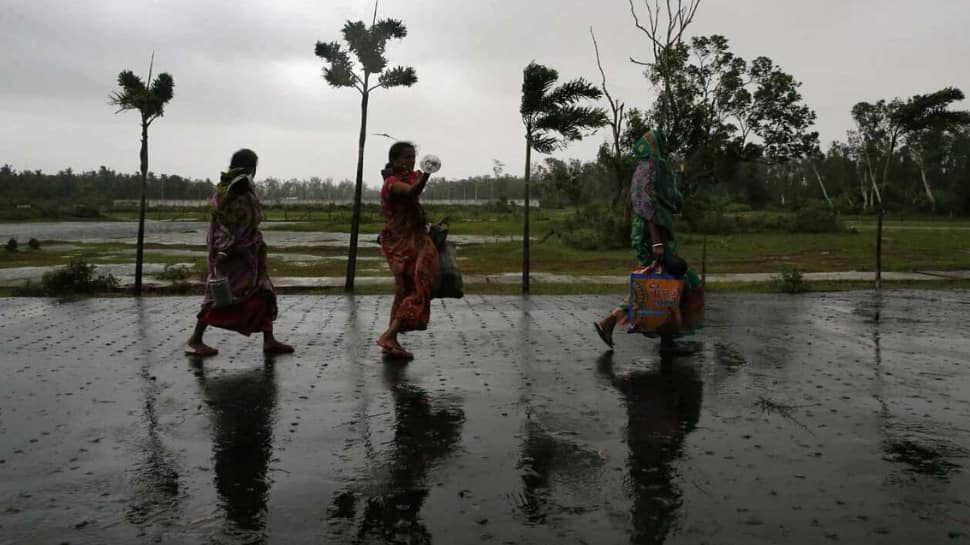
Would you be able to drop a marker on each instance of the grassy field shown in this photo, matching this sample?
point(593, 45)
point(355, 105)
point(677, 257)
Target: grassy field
point(910, 244)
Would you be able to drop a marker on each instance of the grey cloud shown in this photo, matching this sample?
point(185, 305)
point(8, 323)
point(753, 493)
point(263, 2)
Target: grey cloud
point(245, 73)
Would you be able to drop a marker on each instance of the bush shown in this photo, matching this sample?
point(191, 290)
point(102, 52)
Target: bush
point(11, 245)
point(816, 219)
point(790, 281)
point(85, 211)
point(33, 244)
point(596, 227)
point(75, 278)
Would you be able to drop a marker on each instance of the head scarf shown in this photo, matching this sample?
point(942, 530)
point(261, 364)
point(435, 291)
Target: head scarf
point(228, 179)
point(652, 146)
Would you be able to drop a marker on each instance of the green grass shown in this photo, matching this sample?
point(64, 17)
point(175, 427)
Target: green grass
point(945, 247)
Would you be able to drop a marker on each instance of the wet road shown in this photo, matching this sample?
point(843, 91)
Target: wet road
point(810, 419)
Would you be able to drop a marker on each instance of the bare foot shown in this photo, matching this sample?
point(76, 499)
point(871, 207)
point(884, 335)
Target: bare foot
point(277, 347)
point(393, 349)
point(200, 349)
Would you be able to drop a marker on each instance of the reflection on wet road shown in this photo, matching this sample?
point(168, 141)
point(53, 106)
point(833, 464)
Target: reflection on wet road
point(823, 418)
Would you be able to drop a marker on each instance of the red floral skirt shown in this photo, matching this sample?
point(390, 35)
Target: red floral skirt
point(254, 314)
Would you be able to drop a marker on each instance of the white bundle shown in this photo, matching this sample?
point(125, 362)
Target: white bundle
point(430, 164)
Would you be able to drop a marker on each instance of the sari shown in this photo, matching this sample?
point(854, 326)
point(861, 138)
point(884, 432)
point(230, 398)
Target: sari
point(656, 197)
point(237, 252)
point(410, 253)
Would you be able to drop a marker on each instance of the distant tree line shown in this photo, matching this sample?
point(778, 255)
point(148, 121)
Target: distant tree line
point(96, 188)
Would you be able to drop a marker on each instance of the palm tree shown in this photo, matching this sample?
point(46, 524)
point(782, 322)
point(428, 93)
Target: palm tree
point(150, 103)
point(552, 117)
point(367, 44)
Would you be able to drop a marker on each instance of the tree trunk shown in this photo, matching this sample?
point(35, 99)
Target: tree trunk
point(140, 244)
point(821, 184)
point(358, 189)
point(704, 261)
point(882, 211)
point(926, 182)
point(525, 221)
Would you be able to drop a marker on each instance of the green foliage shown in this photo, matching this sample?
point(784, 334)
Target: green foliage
point(11, 245)
point(368, 44)
point(816, 219)
point(33, 244)
point(790, 281)
point(76, 278)
point(553, 116)
point(718, 110)
point(148, 100)
point(596, 227)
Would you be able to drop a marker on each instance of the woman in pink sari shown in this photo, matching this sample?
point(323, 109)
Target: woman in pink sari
point(408, 248)
point(238, 254)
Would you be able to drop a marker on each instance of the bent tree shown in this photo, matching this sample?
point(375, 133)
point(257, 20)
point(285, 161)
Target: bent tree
point(553, 116)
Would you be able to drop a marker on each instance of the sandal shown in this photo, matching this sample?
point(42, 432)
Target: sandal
point(608, 339)
point(201, 351)
point(278, 348)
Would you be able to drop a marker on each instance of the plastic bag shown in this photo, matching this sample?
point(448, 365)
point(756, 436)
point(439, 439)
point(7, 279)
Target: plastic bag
point(655, 302)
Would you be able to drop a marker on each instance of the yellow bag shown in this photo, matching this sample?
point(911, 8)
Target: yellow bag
point(654, 302)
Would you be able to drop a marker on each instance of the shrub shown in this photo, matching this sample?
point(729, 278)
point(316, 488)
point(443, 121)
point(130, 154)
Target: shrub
point(85, 211)
point(596, 227)
point(712, 222)
point(11, 245)
point(585, 239)
point(77, 277)
point(33, 244)
point(790, 281)
point(816, 219)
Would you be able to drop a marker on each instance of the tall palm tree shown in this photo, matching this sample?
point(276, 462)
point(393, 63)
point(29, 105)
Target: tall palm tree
point(553, 117)
point(367, 44)
point(150, 102)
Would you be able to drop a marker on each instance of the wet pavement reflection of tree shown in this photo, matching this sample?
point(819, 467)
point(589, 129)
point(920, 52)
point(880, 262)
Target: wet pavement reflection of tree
point(426, 430)
point(242, 407)
point(156, 478)
point(663, 406)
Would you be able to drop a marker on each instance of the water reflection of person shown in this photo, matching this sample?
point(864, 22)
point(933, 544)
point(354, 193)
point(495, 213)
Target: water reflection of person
point(426, 430)
point(663, 406)
point(242, 407)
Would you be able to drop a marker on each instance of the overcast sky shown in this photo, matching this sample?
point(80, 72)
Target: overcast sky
point(246, 75)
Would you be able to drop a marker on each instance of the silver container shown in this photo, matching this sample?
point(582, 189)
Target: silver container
point(221, 292)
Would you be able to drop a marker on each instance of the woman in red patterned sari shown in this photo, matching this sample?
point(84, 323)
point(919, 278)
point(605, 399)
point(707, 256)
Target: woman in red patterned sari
point(409, 250)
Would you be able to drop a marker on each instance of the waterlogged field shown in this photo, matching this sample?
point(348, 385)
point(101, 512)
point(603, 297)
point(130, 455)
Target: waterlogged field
point(313, 244)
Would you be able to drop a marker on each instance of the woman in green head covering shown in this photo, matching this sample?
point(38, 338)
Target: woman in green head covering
point(656, 200)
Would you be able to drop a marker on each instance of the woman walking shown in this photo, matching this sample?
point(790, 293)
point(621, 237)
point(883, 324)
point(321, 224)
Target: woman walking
point(656, 199)
point(238, 254)
point(409, 250)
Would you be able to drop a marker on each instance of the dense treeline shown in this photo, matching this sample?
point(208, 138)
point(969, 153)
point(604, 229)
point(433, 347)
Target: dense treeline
point(940, 168)
point(92, 189)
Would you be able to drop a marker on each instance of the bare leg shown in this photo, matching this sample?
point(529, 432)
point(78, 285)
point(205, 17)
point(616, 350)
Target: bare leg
point(273, 346)
point(199, 348)
point(388, 340)
point(605, 327)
